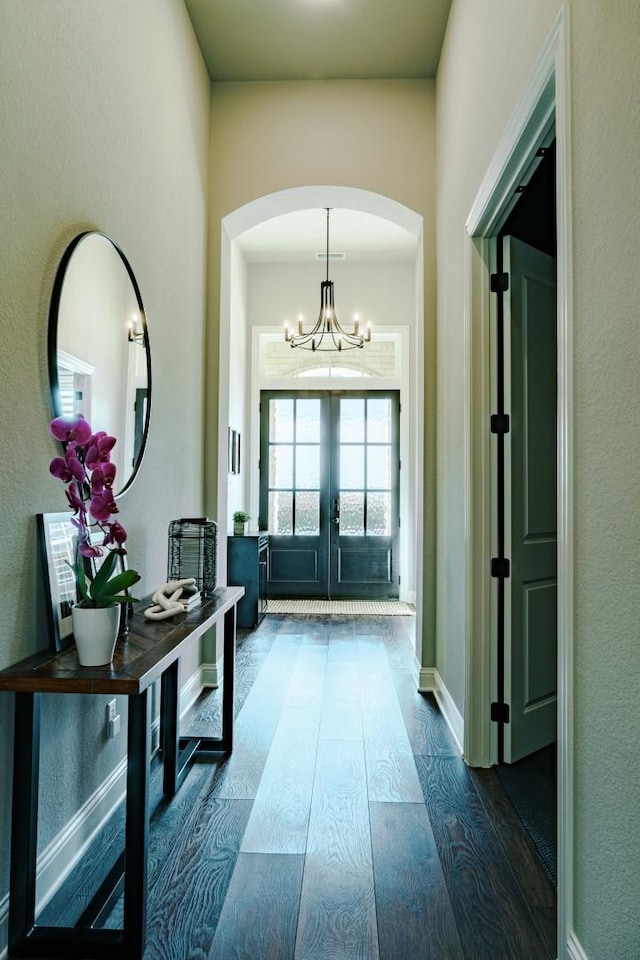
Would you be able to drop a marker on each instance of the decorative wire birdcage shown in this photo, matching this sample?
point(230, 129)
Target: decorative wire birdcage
point(193, 552)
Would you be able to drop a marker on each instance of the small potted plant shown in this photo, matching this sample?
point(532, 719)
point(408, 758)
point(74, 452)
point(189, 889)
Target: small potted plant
point(87, 469)
point(240, 519)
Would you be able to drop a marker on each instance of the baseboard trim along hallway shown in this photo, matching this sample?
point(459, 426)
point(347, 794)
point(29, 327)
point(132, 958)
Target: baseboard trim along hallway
point(431, 682)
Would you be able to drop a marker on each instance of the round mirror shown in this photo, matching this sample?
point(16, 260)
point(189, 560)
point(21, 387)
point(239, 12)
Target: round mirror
point(99, 359)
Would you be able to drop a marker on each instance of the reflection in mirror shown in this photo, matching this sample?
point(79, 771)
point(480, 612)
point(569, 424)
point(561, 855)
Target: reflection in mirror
point(99, 359)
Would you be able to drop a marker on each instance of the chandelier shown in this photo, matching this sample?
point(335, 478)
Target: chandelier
point(327, 334)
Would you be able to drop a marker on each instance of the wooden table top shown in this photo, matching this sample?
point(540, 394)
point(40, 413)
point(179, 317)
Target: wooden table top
point(139, 660)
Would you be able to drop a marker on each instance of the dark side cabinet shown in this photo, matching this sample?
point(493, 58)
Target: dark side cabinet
point(247, 567)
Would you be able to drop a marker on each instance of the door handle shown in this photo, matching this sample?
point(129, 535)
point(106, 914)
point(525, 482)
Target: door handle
point(336, 510)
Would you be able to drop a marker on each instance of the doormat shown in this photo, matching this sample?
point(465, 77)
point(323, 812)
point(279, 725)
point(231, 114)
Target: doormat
point(379, 608)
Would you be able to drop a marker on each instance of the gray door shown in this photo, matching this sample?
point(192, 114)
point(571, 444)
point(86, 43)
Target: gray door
point(530, 504)
point(329, 493)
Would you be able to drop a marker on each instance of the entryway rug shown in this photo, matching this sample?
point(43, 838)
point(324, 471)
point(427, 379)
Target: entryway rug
point(380, 608)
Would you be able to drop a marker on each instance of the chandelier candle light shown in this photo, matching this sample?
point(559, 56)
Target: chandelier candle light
point(327, 334)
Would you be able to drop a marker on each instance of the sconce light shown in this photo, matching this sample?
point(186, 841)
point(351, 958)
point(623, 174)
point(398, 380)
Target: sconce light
point(136, 332)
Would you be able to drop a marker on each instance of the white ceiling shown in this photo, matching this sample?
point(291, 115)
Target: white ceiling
point(257, 40)
point(298, 237)
point(319, 39)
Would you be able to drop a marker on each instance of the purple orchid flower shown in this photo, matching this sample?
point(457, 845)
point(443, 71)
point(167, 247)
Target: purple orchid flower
point(109, 474)
point(97, 480)
point(59, 468)
point(115, 533)
point(76, 468)
point(75, 501)
point(87, 469)
point(85, 547)
point(102, 505)
point(102, 477)
point(99, 449)
point(71, 428)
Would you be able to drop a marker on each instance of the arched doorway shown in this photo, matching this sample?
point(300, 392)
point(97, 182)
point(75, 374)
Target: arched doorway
point(235, 352)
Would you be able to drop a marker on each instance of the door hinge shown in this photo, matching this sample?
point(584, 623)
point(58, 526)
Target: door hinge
point(499, 712)
point(499, 423)
point(499, 282)
point(500, 567)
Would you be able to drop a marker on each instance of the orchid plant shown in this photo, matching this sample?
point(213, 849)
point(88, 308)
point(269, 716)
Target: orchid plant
point(87, 470)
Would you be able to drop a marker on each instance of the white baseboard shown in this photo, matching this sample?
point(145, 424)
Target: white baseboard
point(430, 681)
point(58, 859)
point(210, 674)
point(575, 950)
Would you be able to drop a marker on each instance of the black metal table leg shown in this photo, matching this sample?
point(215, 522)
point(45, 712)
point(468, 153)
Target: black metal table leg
point(228, 678)
point(137, 828)
point(169, 732)
point(26, 938)
point(215, 748)
point(202, 748)
point(24, 833)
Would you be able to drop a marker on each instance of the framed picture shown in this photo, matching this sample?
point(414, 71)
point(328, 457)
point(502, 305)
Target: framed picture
point(233, 452)
point(58, 543)
point(236, 455)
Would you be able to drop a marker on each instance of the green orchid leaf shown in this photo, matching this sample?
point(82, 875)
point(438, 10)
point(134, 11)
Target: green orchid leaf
point(110, 601)
point(121, 582)
point(102, 576)
point(81, 580)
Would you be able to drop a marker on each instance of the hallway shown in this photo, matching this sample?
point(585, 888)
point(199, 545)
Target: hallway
point(344, 826)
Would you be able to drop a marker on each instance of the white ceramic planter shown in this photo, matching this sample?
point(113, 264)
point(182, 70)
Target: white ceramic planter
point(95, 631)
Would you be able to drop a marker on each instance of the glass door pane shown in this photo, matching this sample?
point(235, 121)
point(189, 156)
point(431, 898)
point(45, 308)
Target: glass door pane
point(365, 469)
point(292, 489)
point(364, 497)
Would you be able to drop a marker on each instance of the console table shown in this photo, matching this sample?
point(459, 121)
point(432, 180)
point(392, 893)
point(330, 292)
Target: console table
point(151, 651)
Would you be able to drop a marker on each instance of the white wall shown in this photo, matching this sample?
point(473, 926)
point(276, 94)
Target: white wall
point(382, 293)
point(489, 52)
point(104, 115)
point(240, 351)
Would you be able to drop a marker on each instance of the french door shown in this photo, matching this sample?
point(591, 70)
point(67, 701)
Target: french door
point(329, 472)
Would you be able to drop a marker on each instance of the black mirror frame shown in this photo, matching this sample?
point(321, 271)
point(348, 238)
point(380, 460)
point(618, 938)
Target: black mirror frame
point(52, 340)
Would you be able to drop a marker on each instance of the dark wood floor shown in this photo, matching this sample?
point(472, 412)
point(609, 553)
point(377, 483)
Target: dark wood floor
point(345, 826)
